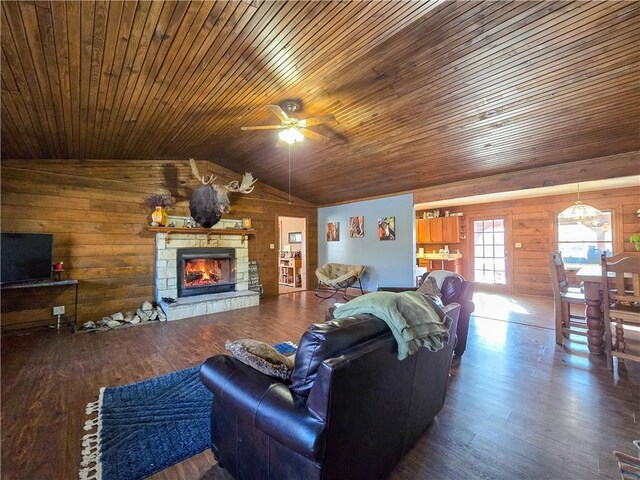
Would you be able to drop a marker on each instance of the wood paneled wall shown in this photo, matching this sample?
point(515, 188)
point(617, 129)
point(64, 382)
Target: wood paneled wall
point(96, 210)
point(532, 223)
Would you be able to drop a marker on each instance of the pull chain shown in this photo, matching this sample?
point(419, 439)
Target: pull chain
point(289, 172)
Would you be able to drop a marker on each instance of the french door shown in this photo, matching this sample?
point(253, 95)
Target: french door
point(490, 253)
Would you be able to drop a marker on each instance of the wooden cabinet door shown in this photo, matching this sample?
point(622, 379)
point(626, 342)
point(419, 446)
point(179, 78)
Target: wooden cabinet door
point(437, 233)
point(451, 229)
point(423, 231)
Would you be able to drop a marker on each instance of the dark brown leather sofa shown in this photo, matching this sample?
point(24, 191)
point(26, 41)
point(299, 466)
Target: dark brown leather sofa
point(351, 411)
point(455, 289)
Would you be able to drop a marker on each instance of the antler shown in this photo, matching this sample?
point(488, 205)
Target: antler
point(245, 186)
point(196, 173)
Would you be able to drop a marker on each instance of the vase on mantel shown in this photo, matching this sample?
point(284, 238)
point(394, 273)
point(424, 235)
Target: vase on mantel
point(159, 216)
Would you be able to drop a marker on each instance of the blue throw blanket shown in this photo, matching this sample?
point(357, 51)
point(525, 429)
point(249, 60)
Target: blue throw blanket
point(414, 319)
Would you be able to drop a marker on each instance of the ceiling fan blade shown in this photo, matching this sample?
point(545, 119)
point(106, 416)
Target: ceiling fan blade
point(310, 122)
point(313, 135)
point(262, 127)
point(278, 112)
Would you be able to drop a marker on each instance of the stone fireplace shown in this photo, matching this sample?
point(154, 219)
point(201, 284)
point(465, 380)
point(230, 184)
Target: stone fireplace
point(204, 273)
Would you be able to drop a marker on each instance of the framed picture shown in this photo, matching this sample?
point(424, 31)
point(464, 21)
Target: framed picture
point(295, 237)
point(333, 232)
point(356, 227)
point(387, 228)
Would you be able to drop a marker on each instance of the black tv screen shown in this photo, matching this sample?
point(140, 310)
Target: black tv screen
point(25, 256)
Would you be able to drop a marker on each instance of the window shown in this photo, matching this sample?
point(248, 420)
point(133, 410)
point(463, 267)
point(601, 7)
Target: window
point(583, 241)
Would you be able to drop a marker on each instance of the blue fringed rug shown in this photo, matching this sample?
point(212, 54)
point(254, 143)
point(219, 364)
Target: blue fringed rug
point(147, 426)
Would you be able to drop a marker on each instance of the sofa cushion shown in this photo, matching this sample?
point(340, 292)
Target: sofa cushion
point(430, 288)
point(261, 356)
point(449, 283)
point(327, 340)
point(451, 288)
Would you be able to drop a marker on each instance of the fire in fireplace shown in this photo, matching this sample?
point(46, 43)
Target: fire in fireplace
point(203, 271)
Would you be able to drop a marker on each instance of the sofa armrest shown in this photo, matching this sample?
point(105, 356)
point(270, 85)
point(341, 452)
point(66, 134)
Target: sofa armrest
point(284, 417)
point(397, 289)
point(275, 410)
point(452, 310)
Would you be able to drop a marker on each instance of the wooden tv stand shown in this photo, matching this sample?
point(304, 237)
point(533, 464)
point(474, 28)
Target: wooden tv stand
point(47, 284)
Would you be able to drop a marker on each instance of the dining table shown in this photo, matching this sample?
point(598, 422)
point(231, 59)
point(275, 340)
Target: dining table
point(591, 278)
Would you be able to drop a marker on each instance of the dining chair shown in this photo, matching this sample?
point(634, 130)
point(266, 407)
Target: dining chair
point(621, 305)
point(563, 297)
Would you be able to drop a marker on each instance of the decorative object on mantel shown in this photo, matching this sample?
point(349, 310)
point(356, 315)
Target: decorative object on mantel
point(159, 203)
point(579, 210)
point(211, 200)
point(146, 313)
point(246, 223)
point(635, 239)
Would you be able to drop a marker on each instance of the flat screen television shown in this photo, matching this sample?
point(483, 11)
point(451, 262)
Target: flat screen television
point(25, 256)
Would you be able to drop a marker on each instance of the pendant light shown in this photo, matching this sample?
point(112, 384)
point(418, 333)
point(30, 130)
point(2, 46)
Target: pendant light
point(579, 210)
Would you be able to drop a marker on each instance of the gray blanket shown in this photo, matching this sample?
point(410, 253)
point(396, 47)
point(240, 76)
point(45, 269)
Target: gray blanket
point(415, 320)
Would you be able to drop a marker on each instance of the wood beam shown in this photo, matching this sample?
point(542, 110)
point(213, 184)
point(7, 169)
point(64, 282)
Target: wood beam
point(599, 168)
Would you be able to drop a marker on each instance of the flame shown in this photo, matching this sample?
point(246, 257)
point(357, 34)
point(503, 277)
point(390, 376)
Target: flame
point(203, 272)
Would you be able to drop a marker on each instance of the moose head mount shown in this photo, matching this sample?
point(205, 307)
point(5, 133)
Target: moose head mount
point(211, 200)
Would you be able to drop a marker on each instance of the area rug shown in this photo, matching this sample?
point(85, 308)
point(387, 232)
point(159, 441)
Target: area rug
point(145, 427)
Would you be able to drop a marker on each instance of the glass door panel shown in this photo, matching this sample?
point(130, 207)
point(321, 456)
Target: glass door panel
point(490, 265)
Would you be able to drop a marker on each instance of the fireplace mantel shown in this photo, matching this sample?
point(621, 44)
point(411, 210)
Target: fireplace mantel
point(199, 231)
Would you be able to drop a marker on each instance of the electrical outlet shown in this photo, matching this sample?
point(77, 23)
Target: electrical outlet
point(518, 245)
point(59, 310)
point(272, 246)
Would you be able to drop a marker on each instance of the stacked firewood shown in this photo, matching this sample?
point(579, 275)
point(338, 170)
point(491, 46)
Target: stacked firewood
point(146, 313)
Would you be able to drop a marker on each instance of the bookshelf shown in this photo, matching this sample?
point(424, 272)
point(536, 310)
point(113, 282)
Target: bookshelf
point(289, 269)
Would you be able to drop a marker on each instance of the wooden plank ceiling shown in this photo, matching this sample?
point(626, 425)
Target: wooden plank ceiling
point(424, 93)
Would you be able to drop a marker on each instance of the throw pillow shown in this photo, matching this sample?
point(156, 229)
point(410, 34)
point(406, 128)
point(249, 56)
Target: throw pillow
point(430, 287)
point(261, 356)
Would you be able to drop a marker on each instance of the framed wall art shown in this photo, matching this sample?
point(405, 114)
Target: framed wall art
point(356, 227)
point(295, 237)
point(387, 228)
point(333, 232)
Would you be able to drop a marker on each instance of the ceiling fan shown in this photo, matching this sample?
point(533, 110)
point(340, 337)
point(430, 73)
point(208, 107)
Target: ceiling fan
point(292, 129)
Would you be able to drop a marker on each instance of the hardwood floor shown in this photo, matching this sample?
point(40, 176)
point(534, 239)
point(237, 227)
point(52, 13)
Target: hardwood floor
point(518, 406)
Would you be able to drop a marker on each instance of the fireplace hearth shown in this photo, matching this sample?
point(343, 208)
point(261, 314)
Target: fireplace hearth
point(202, 271)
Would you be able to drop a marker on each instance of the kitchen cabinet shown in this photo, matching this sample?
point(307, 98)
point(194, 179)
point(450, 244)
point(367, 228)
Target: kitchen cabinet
point(438, 230)
point(423, 230)
point(451, 229)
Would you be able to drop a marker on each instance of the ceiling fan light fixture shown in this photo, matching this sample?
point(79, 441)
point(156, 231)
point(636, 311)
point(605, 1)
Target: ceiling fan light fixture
point(291, 135)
